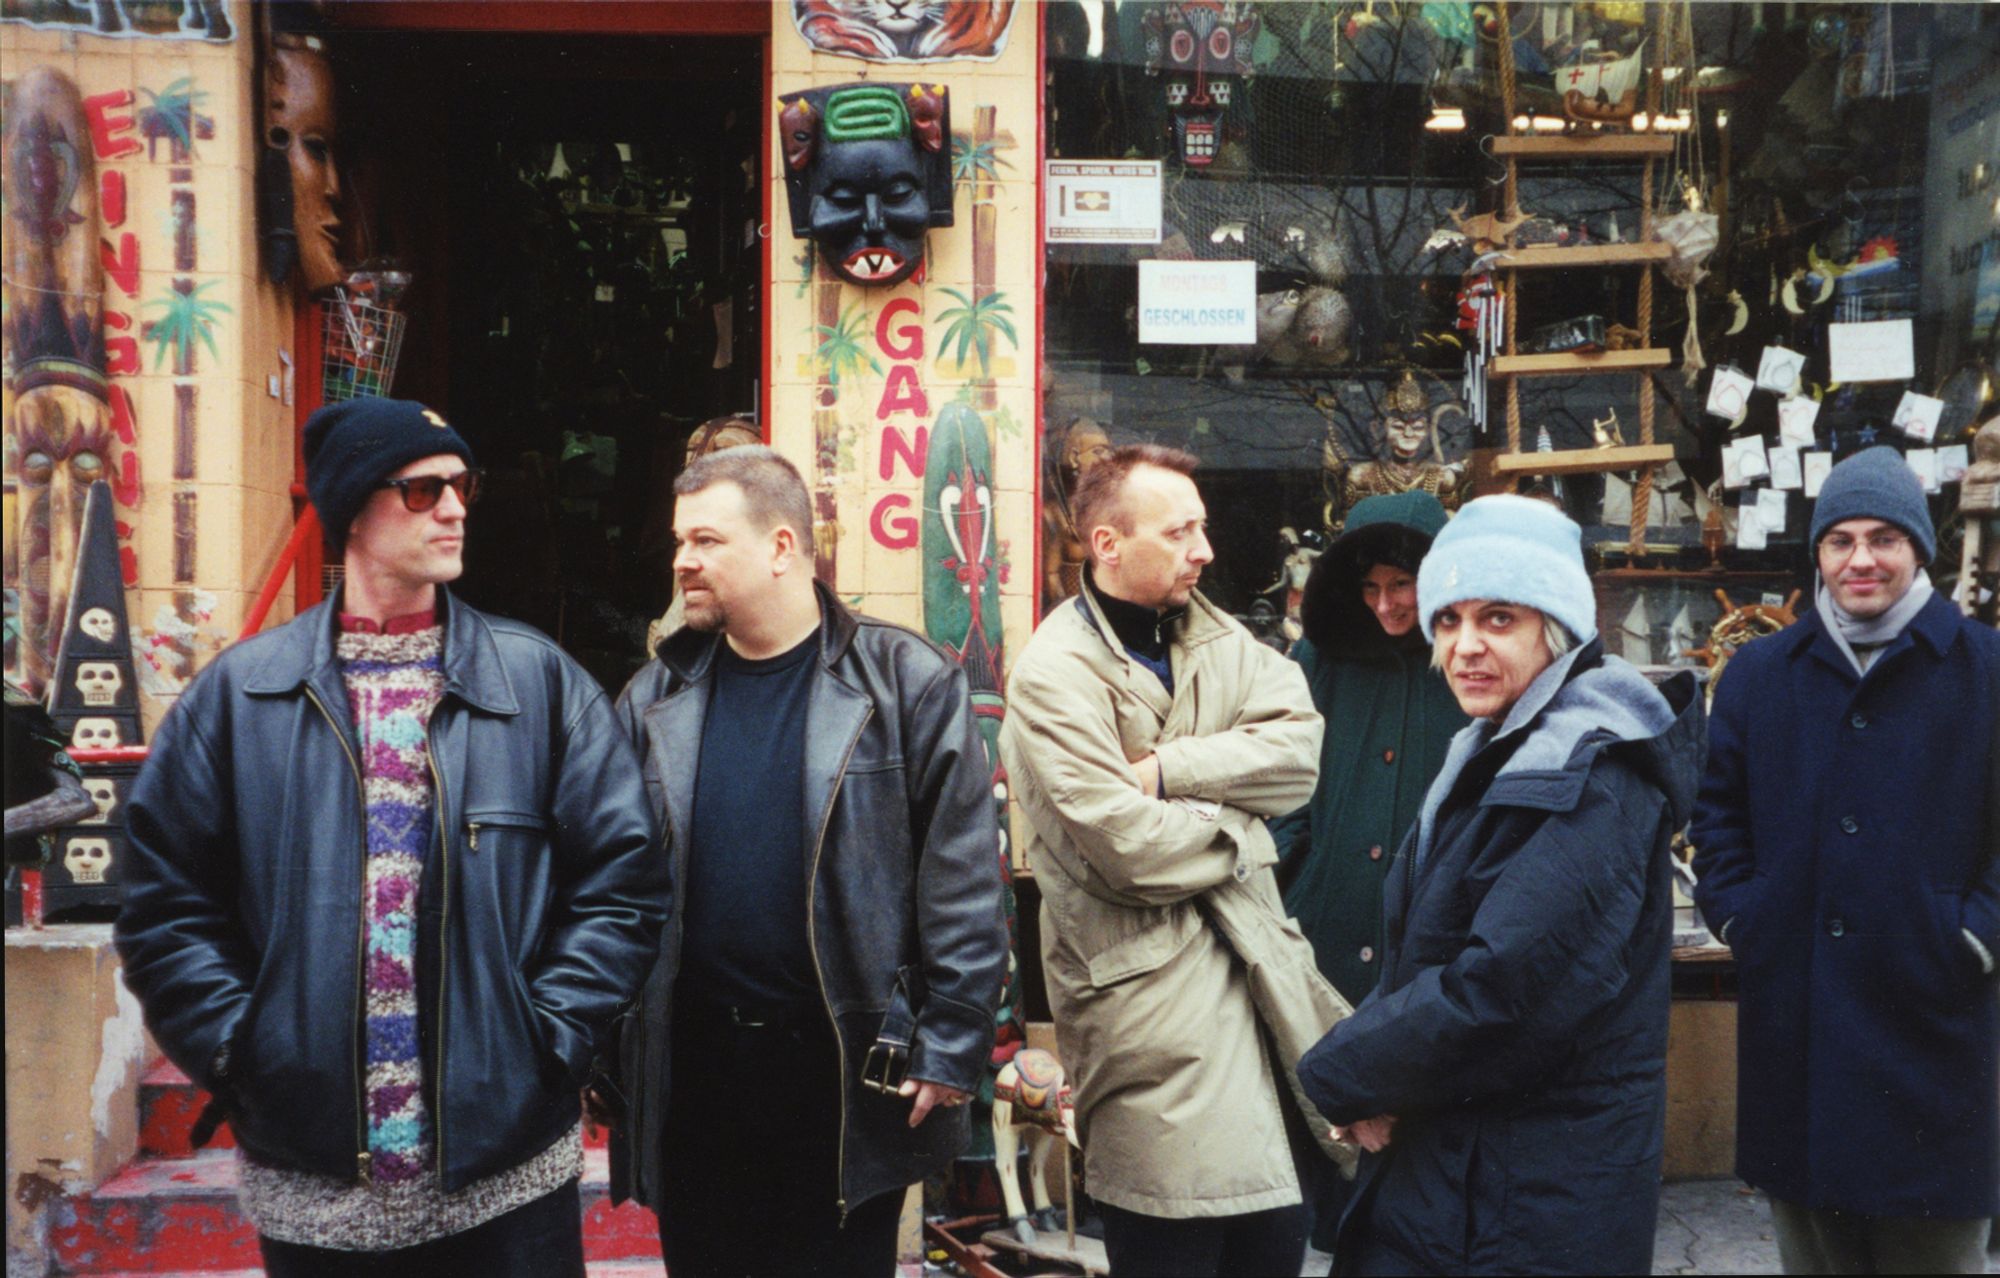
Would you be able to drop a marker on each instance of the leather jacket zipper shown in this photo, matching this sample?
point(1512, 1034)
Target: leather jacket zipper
point(444, 927)
point(363, 1160)
point(812, 943)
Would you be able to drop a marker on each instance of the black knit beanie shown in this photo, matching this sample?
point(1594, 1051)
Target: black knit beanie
point(355, 444)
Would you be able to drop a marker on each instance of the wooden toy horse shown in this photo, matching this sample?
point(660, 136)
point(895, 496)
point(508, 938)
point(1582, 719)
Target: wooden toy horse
point(1030, 1093)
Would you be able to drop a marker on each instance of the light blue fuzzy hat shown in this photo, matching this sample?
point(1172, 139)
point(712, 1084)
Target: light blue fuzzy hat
point(1517, 549)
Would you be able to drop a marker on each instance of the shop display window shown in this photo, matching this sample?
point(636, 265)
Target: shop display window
point(1297, 296)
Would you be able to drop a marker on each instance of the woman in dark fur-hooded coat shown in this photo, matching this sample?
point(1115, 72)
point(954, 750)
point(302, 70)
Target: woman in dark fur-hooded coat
point(1389, 720)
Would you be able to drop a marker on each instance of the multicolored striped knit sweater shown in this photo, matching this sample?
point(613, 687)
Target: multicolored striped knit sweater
point(394, 681)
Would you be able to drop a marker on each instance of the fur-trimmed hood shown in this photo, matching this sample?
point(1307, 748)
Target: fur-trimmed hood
point(1398, 528)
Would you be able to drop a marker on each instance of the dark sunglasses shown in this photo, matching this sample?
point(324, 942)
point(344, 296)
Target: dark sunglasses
point(422, 492)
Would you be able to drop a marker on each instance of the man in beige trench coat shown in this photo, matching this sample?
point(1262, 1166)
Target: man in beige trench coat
point(1147, 736)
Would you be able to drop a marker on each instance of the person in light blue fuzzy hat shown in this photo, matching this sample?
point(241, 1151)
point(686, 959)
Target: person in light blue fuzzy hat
point(1521, 1010)
point(1517, 549)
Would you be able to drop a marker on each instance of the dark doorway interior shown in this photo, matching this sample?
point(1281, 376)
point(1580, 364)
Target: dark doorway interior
point(581, 218)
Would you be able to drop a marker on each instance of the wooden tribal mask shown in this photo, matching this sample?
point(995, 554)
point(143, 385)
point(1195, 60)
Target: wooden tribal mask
point(299, 177)
point(867, 173)
point(1201, 48)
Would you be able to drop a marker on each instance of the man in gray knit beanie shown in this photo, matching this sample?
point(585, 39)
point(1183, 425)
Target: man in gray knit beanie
point(1869, 596)
point(1845, 843)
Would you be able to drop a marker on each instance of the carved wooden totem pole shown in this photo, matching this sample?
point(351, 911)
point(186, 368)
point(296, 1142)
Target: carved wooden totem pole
point(58, 424)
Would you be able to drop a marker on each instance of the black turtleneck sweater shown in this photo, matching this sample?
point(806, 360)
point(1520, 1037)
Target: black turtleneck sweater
point(1145, 632)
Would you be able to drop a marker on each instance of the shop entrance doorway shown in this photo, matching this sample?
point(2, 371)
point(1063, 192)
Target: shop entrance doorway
point(583, 227)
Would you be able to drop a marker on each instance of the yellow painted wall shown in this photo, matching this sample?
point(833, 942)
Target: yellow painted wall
point(228, 450)
point(833, 432)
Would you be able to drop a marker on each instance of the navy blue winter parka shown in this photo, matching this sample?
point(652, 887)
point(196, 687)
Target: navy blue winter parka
point(1843, 841)
point(1519, 1028)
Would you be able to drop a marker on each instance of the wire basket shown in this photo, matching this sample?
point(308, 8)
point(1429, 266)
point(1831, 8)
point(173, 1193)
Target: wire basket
point(360, 345)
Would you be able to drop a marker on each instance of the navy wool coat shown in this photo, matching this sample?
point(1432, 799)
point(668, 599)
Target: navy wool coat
point(1843, 839)
point(1519, 1029)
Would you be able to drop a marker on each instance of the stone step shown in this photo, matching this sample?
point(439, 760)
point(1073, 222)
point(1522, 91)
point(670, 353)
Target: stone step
point(170, 1105)
point(179, 1215)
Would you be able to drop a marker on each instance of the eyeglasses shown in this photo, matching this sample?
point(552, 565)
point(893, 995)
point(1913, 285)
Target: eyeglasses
point(422, 492)
point(1883, 541)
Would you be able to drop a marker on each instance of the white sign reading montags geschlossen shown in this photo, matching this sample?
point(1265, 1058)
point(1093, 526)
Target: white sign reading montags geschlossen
point(1102, 201)
point(1197, 303)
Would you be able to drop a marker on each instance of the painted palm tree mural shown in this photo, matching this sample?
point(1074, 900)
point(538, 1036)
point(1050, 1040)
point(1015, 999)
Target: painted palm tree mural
point(972, 326)
point(973, 161)
point(171, 115)
point(187, 317)
point(976, 161)
point(841, 349)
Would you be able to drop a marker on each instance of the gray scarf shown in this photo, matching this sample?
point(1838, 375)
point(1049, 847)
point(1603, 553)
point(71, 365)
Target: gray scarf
point(1870, 634)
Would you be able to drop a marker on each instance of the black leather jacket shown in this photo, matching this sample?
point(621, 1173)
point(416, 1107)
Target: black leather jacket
point(540, 907)
point(899, 795)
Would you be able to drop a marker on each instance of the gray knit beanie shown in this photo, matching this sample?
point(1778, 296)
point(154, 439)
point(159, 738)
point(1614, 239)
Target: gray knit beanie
point(1876, 483)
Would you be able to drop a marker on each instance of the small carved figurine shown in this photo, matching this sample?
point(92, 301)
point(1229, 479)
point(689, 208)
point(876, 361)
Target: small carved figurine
point(1979, 503)
point(1030, 1094)
point(1076, 448)
point(1604, 431)
point(1488, 231)
point(1408, 423)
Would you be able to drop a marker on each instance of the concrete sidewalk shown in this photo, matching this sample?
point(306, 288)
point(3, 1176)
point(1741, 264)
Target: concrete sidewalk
point(1706, 1227)
point(1714, 1227)
point(1721, 1227)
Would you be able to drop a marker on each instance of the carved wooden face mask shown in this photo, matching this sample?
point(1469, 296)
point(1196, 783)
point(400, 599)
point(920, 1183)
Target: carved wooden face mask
point(299, 120)
point(1200, 48)
point(867, 174)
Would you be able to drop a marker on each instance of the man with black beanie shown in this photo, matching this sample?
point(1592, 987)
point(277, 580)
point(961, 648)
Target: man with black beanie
point(1847, 839)
point(393, 875)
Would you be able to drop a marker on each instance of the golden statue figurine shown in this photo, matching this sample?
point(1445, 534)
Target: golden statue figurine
point(1408, 423)
point(1075, 448)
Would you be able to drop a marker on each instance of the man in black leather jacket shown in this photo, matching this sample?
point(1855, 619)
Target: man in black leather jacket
point(824, 1000)
point(392, 875)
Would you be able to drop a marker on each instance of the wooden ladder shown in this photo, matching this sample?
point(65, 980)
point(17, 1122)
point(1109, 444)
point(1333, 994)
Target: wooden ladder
point(1510, 368)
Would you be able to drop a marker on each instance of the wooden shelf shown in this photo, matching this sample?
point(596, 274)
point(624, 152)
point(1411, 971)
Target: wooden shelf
point(1602, 146)
point(1537, 256)
point(1584, 461)
point(1561, 362)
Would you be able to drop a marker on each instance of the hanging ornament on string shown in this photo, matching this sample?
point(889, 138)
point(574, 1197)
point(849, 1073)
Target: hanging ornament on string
point(1690, 236)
